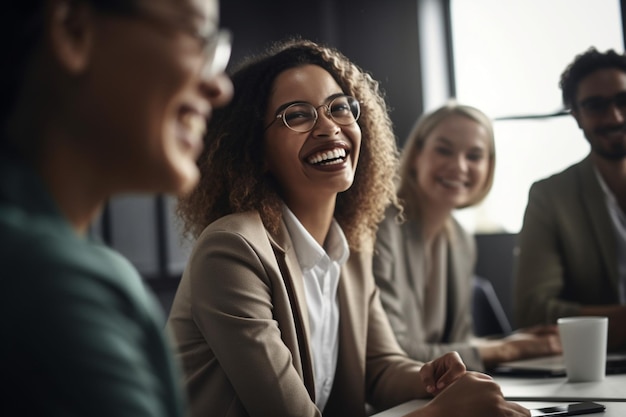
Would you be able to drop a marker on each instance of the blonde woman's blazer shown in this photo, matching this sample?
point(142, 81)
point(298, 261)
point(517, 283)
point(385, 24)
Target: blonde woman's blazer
point(399, 258)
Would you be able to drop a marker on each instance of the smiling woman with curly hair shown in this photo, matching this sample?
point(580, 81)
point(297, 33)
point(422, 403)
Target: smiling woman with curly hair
point(277, 313)
point(233, 175)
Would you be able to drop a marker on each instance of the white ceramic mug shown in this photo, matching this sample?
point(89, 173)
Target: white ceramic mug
point(584, 341)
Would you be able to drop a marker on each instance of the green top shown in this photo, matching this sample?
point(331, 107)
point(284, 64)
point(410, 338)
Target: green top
point(80, 335)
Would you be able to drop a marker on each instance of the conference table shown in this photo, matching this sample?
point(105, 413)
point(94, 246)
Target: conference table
point(536, 392)
point(612, 388)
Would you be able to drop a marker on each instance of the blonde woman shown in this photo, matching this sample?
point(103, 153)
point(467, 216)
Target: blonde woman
point(424, 260)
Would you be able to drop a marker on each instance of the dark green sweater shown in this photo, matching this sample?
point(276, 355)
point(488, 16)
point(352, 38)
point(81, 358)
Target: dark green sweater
point(79, 333)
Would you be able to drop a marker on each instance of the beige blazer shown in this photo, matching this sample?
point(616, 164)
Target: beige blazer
point(241, 328)
point(567, 248)
point(398, 270)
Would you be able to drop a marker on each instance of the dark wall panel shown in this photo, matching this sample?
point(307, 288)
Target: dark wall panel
point(380, 37)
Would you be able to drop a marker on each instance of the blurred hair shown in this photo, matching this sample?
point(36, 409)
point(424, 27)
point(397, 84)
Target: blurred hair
point(408, 189)
point(583, 65)
point(21, 31)
point(232, 175)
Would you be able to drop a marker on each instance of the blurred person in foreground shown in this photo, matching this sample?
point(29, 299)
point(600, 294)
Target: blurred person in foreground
point(99, 97)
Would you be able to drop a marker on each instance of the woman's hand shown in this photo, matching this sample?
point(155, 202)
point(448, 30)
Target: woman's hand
point(525, 343)
point(535, 341)
point(441, 372)
point(472, 395)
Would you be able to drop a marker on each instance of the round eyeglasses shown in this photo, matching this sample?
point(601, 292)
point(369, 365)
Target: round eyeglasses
point(302, 117)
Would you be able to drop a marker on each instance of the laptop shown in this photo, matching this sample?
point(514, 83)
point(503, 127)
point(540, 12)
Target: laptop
point(554, 366)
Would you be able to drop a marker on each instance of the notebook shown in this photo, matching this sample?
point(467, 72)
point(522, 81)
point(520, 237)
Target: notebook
point(554, 366)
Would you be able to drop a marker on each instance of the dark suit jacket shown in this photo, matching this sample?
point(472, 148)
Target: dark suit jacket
point(241, 324)
point(398, 259)
point(567, 248)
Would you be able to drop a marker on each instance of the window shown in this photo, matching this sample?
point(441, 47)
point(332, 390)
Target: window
point(508, 58)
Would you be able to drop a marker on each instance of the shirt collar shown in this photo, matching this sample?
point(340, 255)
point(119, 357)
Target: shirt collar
point(308, 251)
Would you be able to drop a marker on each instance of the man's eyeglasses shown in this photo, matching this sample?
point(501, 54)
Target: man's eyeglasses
point(216, 50)
point(215, 43)
point(302, 117)
point(600, 105)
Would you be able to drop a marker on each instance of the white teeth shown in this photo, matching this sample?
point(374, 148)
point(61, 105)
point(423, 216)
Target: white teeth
point(328, 157)
point(194, 123)
point(452, 183)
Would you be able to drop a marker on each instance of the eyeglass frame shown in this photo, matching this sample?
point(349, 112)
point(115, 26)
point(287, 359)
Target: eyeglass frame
point(280, 113)
point(216, 49)
point(597, 105)
point(216, 43)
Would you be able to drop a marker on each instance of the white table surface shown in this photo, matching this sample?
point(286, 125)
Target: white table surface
point(613, 409)
point(612, 388)
point(543, 392)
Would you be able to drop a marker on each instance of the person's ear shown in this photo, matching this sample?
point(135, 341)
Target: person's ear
point(70, 25)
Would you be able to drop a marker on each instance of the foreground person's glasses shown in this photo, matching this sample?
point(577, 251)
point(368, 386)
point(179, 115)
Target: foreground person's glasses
point(216, 44)
point(217, 48)
point(302, 117)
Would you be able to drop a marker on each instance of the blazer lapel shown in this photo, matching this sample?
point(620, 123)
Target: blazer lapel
point(595, 206)
point(294, 282)
point(414, 260)
point(455, 275)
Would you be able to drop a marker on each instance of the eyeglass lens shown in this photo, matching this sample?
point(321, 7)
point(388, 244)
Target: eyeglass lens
point(217, 54)
point(217, 45)
point(301, 117)
point(599, 105)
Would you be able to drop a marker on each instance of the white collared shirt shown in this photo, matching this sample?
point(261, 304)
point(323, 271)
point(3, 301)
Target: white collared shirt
point(321, 267)
point(619, 224)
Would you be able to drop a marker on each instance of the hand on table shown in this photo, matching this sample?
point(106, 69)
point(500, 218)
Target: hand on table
point(539, 330)
point(472, 394)
point(525, 343)
point(441, 372)
point(534, 341)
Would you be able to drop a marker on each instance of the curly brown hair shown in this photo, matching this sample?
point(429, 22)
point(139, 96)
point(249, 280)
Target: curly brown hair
point(583, 65)
point(232, 176)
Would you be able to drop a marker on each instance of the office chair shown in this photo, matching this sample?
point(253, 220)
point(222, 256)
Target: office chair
point(487, 312)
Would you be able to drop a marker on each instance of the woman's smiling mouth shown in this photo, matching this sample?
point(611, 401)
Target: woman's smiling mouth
point(192, 126)
point(328, 157)
point(454, 184)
